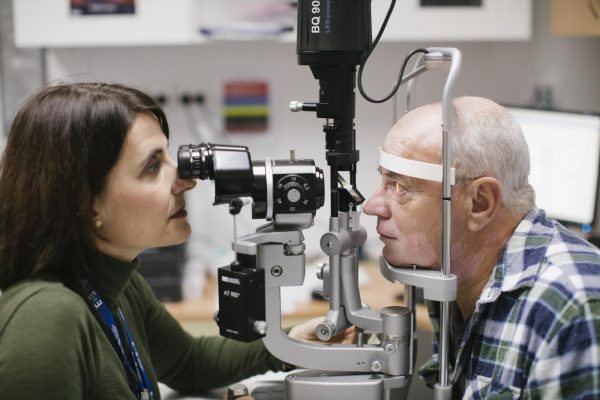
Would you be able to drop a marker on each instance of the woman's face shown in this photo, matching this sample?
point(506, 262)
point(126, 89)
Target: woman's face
point(142, 205)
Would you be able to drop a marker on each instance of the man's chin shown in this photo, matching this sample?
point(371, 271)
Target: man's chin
point(392, 258)
point(397, 262)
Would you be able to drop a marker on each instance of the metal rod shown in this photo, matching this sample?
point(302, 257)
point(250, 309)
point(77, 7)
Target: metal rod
point(334, 191)
point(335, 271)
point(447, 130)
point(360, 337)
point(444, 343)
point(410, 303)
point(419, 66)
point(413, 74)
point(235, 235)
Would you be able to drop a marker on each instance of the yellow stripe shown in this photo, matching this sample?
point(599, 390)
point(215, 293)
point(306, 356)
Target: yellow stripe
point(246, 111)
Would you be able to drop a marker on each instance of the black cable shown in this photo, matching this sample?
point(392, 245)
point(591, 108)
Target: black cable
point(370, 51)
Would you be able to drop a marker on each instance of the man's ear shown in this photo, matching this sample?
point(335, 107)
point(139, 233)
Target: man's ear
point(484, 196)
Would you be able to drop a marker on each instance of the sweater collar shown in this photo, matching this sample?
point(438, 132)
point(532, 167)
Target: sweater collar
point(109, 276)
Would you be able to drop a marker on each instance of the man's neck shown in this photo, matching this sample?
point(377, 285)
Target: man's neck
point(478, 261)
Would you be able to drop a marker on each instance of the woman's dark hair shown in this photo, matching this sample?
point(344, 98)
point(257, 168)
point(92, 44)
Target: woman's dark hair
point(62, 144)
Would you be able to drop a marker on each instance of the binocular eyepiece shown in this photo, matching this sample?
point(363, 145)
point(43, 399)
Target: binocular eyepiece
point(277, 187)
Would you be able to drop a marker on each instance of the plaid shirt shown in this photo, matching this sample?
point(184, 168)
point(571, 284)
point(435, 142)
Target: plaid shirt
point(535, 330)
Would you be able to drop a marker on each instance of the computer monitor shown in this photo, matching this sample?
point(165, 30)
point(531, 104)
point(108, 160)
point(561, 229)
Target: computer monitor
point(564, 149)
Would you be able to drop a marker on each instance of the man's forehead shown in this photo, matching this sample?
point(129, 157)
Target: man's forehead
point(415, 144)
point(420, 128)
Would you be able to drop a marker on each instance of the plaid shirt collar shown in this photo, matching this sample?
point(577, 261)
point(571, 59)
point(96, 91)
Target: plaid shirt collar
point(527, 262)
point(516, 268)
point(519, 263)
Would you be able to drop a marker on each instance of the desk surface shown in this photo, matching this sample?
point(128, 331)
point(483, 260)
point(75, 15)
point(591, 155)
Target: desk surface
point(377, 293)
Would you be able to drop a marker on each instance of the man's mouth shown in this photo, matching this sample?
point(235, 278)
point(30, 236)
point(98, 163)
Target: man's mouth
point(383, 236)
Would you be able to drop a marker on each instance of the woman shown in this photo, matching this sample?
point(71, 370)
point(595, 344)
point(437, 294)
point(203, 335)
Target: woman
point(86, 184)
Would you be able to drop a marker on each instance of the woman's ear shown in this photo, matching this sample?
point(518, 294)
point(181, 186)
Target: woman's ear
point(484, 198)
point(96, 219)
point(96, 209)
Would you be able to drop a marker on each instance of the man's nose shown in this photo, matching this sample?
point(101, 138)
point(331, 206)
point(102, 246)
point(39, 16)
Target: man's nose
point(376, 204)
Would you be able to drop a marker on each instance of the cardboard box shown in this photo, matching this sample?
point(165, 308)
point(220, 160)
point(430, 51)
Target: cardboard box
point(575, 17)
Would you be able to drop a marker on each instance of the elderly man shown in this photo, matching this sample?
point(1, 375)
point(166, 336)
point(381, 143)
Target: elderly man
point(526, 321)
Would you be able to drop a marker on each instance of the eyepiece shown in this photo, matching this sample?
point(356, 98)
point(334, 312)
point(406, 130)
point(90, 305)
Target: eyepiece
point(275, 186)
point(195, 161)
point(184, 162)
point(228, 166)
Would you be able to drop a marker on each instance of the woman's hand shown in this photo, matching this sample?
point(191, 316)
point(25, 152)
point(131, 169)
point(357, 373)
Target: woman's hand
point(306, 333)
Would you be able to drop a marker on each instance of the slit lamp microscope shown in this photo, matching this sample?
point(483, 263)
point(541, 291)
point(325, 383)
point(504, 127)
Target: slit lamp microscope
point(334, 37)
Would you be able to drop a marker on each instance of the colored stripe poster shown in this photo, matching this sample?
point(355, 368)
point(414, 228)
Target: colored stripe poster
point(246, 106)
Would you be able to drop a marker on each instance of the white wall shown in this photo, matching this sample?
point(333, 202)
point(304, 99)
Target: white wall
point(50, 23)
point(504, 71)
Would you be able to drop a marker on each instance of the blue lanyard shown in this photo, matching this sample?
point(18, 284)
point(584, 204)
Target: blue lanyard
point(138, 380)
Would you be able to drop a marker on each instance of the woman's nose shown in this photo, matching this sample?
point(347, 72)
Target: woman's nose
point(181, 185)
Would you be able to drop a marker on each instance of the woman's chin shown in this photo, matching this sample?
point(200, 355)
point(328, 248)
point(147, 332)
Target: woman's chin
point(181, 237)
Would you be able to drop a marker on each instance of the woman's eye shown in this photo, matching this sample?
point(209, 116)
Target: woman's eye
point(153, 167)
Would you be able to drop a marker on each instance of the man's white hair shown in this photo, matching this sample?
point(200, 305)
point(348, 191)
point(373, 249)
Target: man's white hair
point(488, 141)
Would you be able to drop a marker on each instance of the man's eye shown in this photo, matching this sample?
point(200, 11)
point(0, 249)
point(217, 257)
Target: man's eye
point(401, 193)
point(400, 189)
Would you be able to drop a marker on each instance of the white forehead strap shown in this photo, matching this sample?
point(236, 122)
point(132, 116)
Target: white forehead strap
point(412, 168)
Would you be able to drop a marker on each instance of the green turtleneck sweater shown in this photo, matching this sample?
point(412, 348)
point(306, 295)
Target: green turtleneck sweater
point(52, 346)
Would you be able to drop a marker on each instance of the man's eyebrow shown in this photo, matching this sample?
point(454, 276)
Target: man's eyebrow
point(387, 172)
point(394, 175)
